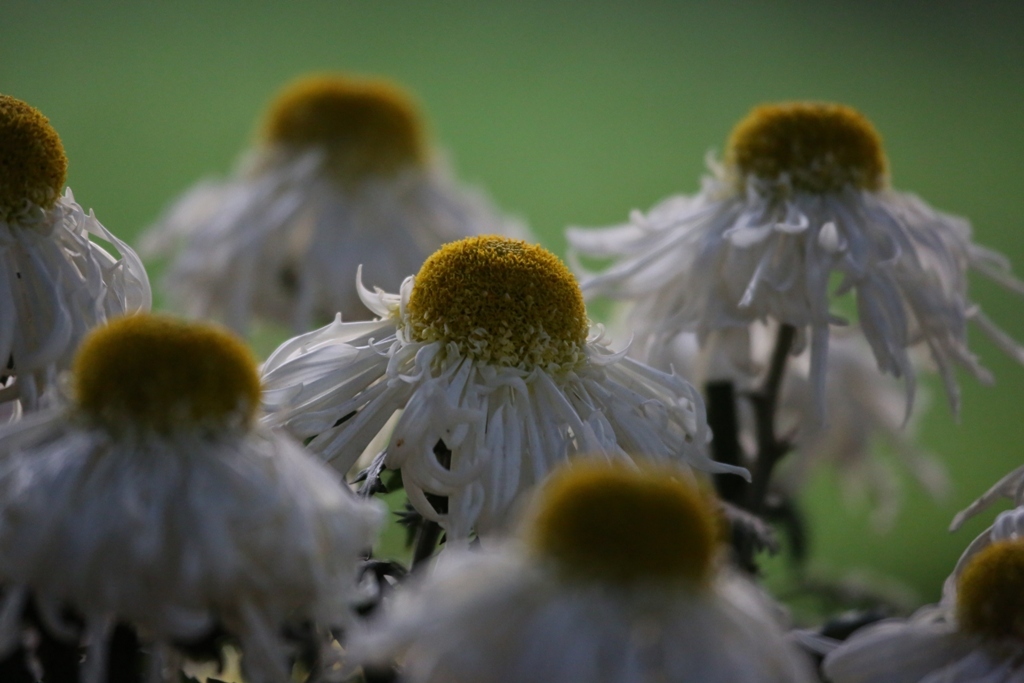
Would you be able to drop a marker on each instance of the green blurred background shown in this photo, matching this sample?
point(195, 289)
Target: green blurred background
point(576, 113)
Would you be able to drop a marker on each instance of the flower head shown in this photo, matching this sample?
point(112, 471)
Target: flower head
point(486, 354)
point(807, 147)
point(502, 302)
point(610, 524)
point(990, 592)
point(802, 202)
point(157, 374)
point(365, 128)
point(55, 283)
point(160, 495)
point(343, 174)
point(33, 165)
point(616, 579)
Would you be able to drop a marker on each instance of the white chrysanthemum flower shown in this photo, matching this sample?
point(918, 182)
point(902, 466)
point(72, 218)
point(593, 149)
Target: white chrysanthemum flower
point(156, 499)
point(486, 352)
point(55, 284)
point(616, 581)
point(975, 634)
point(343, 176)
point(803, 197)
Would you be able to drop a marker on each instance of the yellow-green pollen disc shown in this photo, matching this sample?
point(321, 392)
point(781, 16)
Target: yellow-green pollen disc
point(808, 146)
point(990, 592)
point(366, 127)
point(160, 374)
point(33, 166)
point(614, 524)
point(501, 301)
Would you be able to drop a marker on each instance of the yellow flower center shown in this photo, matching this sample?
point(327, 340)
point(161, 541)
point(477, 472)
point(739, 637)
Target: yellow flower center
point(501, 301)
point(160, 374)
point(32, 161)
point(366, 127)
point(810, 146)
point(611, 523)
point(990, 592)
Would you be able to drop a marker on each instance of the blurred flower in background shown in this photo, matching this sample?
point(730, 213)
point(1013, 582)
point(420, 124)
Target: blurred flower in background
point(866, 445)
point(343, 175)
point(866, 442)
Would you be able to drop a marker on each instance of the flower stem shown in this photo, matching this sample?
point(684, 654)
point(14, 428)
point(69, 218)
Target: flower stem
point(770, 448)
point(725, 446)
point(426, 541)
point(430, 532)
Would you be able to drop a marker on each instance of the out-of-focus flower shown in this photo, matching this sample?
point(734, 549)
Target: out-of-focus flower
point(55, 284)
point(489, 354)
point(802, 198)
point(617, 579)
point(156, 499)
point(974, 634)
point(865, 436)
point(343, 175)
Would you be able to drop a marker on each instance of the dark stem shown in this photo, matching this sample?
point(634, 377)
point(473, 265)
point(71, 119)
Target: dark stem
point(783, 512)
point(426, 540)
point(770, 448)
point(430, 532)
point(125, 661)
point(379, 675)
point(725, 446)
point(10, 366)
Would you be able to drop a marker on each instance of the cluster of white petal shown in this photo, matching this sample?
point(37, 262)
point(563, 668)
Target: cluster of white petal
point(56, 285)
point(504, 616)
point(175, 535)
point(281, 239)
point(722, 259)
point(506, 428)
